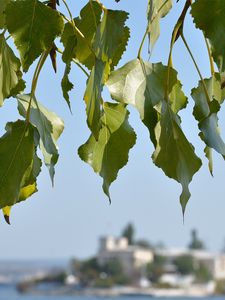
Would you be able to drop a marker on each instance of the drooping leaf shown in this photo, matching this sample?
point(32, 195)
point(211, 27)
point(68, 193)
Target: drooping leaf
point(34, 26)
point(49, 127)
point(66, 84)
point(29, 186)
point(109, 153)
point(10, 73)
point(173, 153)
point(121, 47)
point(143, 85)
point(157, 9)
point(92, 95)
point(209, 16)
point(205, 112)
point(16, 155)
point(112, 36)
point(208, 155)
point(6, 212)
point(3, 4)
point(177, 98)
point(75, 45)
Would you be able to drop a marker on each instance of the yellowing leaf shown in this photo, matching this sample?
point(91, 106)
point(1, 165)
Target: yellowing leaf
point(16, 155)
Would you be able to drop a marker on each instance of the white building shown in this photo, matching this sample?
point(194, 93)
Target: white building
point(215, 263)
point(132, 258)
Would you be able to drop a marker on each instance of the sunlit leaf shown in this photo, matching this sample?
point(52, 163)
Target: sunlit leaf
point(10, 73)
point(173, 153)
point(3, 4)
point(142, 84)
point(6, 212)
point(157, 9)
point(29, 186)
point(34, 26)
point(205, 112)
point(49, 126)
point(112, 36)
point(75, 45)
point(109, 153)
point(92, 95)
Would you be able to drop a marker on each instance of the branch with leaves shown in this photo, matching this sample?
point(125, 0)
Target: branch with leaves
point(95, 41)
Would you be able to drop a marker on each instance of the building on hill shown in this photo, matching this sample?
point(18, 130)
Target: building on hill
point(133, 258)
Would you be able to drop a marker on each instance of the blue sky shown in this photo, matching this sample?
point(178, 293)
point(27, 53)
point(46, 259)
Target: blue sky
point(67, 220)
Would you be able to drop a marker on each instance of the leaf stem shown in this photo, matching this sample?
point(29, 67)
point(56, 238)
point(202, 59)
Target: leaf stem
point(170, 63)
point(197, 68)
point(147, 30)
point(177, 32)
point(76, 62)
point(210, 56)
point(76, 29)
point(35, 80)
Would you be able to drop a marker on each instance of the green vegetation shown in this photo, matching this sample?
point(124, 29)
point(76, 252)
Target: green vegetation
point(196, 243)
point(156, 269)
point(94, 41)
point(129, 233)
point(90, 273)
point(185, 264)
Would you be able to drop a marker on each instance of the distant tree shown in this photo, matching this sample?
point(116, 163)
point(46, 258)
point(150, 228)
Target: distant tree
point(184, 264)
point(202, 274)
point(196, 243)
point(129, 232)
point(156, 268)
point(144, 244)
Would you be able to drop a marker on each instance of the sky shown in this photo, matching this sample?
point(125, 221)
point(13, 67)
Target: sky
point(67, 220)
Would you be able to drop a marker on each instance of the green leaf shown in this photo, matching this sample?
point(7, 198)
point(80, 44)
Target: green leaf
point(49, 127)
point(208, 155)
point(121, 47)
point(16, 155)
point(209, 16)
point(34, 26)
point(10, 73)
point(173, 153)
point(143, 85)
point(157, 9)
point(66, 84)
point(205, 112)
point(92, 95)
point(109, 153)
point(111, 36)
point(3, 4)
point(75, 45)
point(29, 186)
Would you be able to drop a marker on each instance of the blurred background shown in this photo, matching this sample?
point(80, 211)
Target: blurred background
point(63, 223)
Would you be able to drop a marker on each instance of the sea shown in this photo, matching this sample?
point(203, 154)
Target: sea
point(10, 293)
point(12, 272)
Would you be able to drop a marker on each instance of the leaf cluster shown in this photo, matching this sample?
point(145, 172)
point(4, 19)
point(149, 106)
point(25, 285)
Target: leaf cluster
point(95, 41)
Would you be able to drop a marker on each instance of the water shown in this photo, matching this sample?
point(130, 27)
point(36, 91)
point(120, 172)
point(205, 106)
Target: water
point(10, 293)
